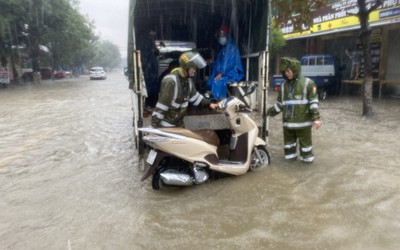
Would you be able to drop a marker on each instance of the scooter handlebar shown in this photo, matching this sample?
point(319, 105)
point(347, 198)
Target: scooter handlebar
point(220, 105)
point(243, 108)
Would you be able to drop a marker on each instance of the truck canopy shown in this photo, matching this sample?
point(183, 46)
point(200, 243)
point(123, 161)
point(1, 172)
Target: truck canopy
point(198, 21)
point(177, 25)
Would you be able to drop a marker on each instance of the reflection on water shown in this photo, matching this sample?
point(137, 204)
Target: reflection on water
point(69, 180)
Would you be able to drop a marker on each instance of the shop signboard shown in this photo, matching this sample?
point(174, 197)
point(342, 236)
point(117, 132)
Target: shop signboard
point(342, 16)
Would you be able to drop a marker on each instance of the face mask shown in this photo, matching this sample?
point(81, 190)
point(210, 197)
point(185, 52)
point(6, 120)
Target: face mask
point(222, 40)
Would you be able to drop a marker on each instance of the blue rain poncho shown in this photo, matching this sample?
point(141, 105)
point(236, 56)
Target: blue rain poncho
point(229, 64)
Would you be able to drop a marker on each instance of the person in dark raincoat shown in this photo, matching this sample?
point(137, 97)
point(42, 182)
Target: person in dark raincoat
point(149, 53)
point(227, 67)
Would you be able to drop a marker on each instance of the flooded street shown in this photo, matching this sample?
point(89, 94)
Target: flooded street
point(70, 180)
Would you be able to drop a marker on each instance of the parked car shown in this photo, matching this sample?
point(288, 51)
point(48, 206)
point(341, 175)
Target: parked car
point(58, 74)
point(45, 73)
point(97, 73)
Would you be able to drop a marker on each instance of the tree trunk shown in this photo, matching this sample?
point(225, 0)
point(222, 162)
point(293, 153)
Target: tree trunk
point(368, 81)
point(365, 34)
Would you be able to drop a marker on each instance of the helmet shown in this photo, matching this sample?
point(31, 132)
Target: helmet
point(191, 59)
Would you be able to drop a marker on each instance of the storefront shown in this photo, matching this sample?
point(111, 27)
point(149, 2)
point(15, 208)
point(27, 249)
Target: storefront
point(334, 29)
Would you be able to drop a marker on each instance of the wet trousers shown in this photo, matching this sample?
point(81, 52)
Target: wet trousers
point(355, 71)
point(302, 136)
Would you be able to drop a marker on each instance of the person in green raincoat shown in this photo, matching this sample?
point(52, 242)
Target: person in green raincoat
point(177, 91)
point(298, 102)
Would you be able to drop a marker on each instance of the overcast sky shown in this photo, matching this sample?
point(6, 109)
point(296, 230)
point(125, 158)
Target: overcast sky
point(111, 20)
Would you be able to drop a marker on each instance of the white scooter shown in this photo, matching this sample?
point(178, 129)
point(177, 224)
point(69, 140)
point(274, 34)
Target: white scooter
point(181, 157)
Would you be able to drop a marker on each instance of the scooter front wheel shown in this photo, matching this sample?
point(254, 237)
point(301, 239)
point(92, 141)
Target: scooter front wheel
point(259, 158)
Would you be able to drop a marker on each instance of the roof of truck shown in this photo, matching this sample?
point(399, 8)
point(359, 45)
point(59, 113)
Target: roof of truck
point(199, 20)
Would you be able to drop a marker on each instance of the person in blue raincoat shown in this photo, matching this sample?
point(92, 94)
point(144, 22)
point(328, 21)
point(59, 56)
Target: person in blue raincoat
point(227, 67)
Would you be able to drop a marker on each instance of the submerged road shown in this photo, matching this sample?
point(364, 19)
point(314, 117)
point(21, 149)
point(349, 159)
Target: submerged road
point(69, 179)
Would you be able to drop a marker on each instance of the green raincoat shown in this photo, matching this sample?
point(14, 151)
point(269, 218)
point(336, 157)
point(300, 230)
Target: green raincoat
point(297, 98)
point(298, 102)
point(175, 95)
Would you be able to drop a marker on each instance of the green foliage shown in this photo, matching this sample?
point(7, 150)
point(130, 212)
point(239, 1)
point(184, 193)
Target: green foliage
point(106, 55)
point(10, 12)
point(277, 41)
point(297, 12)
point(70, 35)
point(56, 24)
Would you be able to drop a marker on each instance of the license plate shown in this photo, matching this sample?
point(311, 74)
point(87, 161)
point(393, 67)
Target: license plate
point(151, 157)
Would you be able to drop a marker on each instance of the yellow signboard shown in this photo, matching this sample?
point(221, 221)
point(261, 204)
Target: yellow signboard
point(333, 23)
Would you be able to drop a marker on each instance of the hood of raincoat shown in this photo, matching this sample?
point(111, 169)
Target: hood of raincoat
point(291, 63)
point(228, 59)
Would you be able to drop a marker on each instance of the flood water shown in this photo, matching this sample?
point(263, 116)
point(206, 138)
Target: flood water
point(69, 179)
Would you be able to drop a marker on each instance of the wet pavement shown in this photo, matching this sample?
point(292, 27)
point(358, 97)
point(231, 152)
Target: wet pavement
point(70, 180)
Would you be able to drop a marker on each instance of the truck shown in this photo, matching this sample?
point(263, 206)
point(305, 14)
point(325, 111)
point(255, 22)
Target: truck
point(196, 23)
point(325, 70)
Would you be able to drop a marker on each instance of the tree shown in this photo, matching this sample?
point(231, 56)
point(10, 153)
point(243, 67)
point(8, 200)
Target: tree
point(67, 33)
point(107, 55)
point(276, 40)
point(365, 37)
point(297, 12)
point(13, 31)
point(276, 43)
point(55, 24)
point(5, 30)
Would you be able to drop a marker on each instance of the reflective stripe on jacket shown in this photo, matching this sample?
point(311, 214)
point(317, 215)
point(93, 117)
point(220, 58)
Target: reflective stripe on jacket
point(175, 94)
point(298, 102)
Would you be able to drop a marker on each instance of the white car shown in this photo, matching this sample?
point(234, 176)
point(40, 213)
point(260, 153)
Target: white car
point(97, 73)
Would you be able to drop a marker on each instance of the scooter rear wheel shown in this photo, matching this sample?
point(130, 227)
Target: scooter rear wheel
point(169, 165)
point(157, 183)
point(264, 160)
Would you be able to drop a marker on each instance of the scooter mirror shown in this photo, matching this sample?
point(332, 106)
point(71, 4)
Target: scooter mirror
point(250, 90)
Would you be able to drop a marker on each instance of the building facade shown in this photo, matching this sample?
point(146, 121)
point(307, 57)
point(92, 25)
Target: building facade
point(336, 27)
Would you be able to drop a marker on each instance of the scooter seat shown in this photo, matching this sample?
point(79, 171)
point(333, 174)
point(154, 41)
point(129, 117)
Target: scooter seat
point(207, 135)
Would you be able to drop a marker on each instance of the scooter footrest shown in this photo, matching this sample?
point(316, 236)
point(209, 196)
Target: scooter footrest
point(224, 162)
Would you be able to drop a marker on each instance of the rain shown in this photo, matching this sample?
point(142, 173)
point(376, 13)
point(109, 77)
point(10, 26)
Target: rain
point(70, 169)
